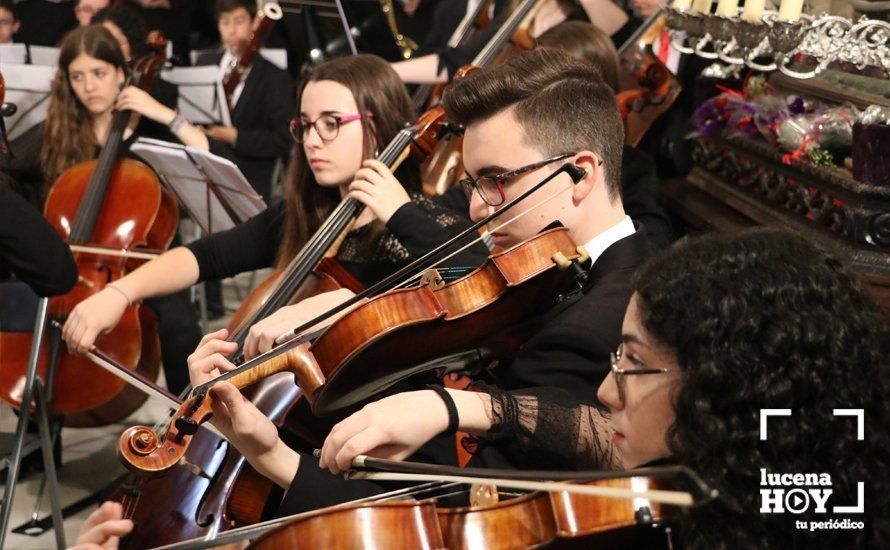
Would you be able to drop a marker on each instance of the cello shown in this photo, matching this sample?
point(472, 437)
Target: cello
point(227, 492)
point(108, 203)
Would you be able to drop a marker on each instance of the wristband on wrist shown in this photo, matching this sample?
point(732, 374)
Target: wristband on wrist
point(177, 123)
point(122, 293)
point(453, 419)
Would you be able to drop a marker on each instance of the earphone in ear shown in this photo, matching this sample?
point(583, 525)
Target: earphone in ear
point(575, 172)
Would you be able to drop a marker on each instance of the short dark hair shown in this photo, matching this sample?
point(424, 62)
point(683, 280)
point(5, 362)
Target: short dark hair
point(562, 103)
point(9, 5)
point(130, 22)
point(225, 6)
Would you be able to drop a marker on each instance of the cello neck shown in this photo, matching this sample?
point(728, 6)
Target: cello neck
point(91, 204)
point(315, 250)
point(505, 32)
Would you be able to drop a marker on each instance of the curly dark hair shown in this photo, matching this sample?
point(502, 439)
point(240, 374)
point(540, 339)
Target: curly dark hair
point(767, 319)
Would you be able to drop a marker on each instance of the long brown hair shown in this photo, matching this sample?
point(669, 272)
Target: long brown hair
point(68, 136)
point(377, 89)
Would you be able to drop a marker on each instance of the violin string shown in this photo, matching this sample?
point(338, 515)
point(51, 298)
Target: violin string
point(494, 230)
point(330, 229)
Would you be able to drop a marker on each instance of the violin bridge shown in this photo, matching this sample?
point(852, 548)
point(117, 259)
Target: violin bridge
point(483, 495)
point(432, 278)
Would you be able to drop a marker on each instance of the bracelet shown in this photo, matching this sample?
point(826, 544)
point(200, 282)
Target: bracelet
point(122, 293)
point(453, 419)
point(177, 123)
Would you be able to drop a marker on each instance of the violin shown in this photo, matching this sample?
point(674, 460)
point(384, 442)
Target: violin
point(106, 203)
point(268, 15)
point(236, 494)
point(395, 334)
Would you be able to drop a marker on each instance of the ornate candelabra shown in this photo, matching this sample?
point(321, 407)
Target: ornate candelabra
point(801, 48)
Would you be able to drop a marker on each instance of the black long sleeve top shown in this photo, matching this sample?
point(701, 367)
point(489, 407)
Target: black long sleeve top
point(31, 249)
point(414, 229)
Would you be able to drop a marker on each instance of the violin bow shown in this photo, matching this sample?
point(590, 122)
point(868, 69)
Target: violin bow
point(377, 469)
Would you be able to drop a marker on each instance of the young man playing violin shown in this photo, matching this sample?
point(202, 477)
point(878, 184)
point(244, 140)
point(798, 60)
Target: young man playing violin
point(559, 111)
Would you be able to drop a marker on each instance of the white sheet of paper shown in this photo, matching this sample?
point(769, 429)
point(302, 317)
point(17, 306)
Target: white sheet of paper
point(276, 56)
point(44, 55)
point(184, 169)
point(201, 98)
point(13, 53)
point(27, 87)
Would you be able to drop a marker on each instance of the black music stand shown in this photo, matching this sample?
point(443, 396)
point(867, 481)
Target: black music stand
point(35, 391)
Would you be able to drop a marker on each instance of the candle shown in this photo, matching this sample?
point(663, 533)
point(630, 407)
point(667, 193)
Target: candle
point(790, 10)
point(701, 6)
point(727, 7)
point(681, 4)
point(753, 10)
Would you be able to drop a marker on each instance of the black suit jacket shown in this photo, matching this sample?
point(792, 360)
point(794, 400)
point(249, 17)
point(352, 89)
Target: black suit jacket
point(261, 115)
point(571, 349)
point(639, 195)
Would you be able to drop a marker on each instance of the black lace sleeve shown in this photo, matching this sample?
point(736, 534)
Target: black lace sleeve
point(548, 428)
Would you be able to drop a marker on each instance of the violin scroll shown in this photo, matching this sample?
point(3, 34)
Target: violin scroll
point(143, 452)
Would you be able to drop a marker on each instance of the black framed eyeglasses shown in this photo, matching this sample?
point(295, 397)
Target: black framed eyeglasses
point(620, 373)
point(491, 188)
point(327, 126)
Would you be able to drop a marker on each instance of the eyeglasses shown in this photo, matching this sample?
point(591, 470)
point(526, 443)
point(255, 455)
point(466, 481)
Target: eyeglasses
point(620, 373)
point(327, 126)
point(491, 188)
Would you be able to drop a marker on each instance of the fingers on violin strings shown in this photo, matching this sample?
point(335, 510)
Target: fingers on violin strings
point(221, 334)
point(213, 347)
point(209, 367)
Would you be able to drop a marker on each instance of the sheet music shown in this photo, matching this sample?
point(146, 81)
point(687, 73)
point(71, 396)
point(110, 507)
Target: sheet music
point(185, 170)
point(44, 55)
point(13, 53)
point(276, 56)
point(27, 86)
point(201, 98)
